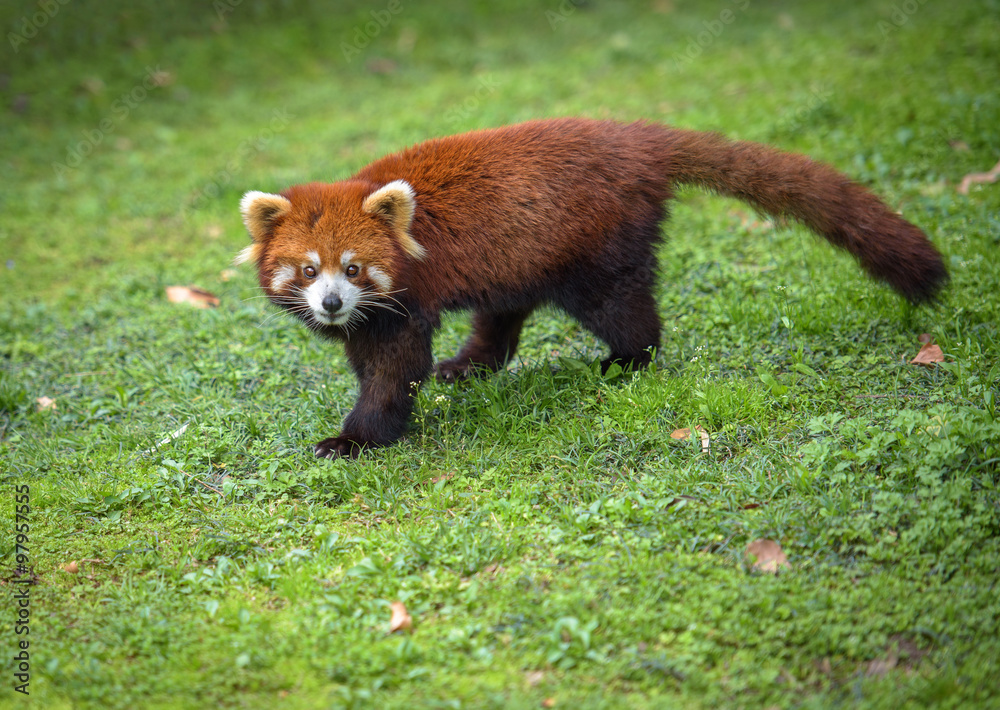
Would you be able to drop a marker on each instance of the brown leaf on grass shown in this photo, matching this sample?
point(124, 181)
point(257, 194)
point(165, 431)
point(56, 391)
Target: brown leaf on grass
point(197, 297)
point(929, 352)
point(43, 403)
point(381, 66)
point(71, 567)
point(549, 703)
point(967, 182)
point(880, 666)
point(902, 653)
point(447, 476)
point(767, 556)
point(401, 619)
point(685, 433)
point(162, 78)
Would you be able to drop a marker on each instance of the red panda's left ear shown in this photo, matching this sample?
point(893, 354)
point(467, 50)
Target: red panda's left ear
point(259, 210)
point(396, 203)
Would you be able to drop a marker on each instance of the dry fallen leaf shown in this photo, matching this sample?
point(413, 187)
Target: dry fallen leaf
point(161, 78)
point(401, 619)
point(929, 352)
point(549, 703)
point(685, 433)
point(197, 297)
point(44, 403)
point(768, 556)
point(71, 567)
point(880, 666)
point(381, 66)
point(992, 176)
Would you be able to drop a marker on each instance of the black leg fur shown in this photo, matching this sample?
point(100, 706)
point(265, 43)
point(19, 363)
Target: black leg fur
point(389, 370)
point(493, 342)
point(618, 307)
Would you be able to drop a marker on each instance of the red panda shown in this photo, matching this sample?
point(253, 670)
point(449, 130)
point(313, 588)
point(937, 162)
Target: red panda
point(500, 221)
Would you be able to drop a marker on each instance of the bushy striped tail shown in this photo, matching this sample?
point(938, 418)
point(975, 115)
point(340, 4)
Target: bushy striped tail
point(789, 185)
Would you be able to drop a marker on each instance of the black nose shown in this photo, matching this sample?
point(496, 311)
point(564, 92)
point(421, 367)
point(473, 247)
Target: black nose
point(332, 303)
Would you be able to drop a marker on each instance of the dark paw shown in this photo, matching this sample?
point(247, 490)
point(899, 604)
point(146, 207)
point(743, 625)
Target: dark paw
point(453, 370)
point(460, 368)
point(337, 446)
point(627, 364)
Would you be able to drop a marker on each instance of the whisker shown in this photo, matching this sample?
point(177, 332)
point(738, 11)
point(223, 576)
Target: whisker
point(377, 304)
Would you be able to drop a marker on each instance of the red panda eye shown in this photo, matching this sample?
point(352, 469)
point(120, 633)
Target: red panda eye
point(309, 271)
point(352, 270)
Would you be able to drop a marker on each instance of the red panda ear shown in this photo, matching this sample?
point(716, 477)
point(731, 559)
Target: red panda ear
point(259, 210)
point(395, 203)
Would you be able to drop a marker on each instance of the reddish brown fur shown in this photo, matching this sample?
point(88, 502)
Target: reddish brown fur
point(565, 212)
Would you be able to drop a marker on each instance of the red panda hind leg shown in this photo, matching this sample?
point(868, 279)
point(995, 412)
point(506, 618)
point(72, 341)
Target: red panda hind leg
point(631, 328)
point(492, 343)
point(618, 307)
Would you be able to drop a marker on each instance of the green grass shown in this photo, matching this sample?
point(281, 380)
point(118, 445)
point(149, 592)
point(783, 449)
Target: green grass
point(551, 540)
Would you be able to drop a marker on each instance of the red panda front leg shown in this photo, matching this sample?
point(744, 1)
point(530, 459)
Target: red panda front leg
point(492, 343)
point(389, 371)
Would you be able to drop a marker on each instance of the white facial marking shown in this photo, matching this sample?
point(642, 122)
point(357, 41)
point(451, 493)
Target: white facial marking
point(346, 258)
point(282, 275)
point(246, 254)
point(380, 278)
point(337, 285)
point(313, 257)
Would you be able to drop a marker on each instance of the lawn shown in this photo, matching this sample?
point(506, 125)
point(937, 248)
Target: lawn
point(168, 538)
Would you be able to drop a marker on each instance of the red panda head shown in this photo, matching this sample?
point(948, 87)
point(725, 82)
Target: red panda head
point(330, 253)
